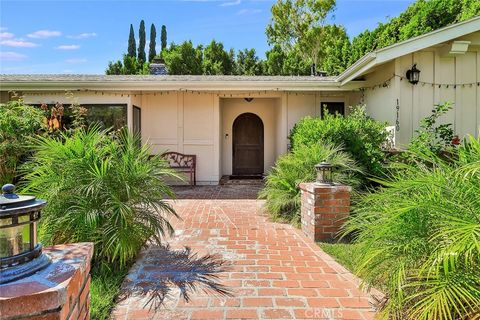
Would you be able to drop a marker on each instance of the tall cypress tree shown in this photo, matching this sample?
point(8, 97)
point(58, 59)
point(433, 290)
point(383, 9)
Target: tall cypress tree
point(141, 43)
point(153, 42)
point(164, 37)
point(132, 46)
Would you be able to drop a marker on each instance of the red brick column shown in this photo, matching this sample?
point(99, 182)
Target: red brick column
point(60, 291)
point(324, 210)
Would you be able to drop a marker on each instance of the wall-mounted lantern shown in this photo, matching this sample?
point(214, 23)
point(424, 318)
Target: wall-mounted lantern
point(20, 253)
point(413, 75)
point(324, 173)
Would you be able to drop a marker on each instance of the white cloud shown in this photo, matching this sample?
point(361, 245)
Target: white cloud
point(249, 11)
point(18, 43)
point(43, 34)
point(68, 47)
point(6, 35)
point(76, 60)
point(231, 3)
point(84, 35)
point(12, 56)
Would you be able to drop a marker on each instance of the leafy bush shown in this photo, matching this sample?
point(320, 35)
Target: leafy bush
point(18, 123)
point(420, 237)
point(282, 183)
point(101, 189)
point(359, 135)
point(431, 136)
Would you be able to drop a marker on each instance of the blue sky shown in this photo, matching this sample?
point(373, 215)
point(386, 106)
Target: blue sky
point(82, 36)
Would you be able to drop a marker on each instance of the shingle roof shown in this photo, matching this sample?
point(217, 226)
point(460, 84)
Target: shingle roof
point(154, 78)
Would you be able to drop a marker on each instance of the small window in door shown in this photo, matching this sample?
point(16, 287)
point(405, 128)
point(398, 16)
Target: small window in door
point(332, 108)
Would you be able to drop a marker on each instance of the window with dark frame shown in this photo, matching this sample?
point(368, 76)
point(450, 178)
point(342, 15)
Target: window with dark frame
point(137, 120)
point(107, 115)
point(332, 108)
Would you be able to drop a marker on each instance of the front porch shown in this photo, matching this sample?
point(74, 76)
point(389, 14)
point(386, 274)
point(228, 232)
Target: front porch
point(230, 133)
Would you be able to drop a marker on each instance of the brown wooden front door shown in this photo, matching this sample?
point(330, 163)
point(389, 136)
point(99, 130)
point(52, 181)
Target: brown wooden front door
point(247, 145)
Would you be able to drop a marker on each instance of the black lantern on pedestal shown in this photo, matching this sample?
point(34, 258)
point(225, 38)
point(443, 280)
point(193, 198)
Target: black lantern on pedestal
point(413, 75)
point(20, 253)
point(324, 173)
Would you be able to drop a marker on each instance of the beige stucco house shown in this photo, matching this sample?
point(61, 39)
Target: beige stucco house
point(240, 124)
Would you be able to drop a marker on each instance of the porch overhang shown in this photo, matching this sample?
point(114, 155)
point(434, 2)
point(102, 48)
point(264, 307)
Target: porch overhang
point(172, 83)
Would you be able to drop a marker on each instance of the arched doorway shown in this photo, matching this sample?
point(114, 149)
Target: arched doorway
point(247, 145)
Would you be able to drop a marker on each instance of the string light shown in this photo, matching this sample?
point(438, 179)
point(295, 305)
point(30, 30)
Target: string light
point(273, 93)
point(386, 84)
point(383, 84)
point(445, 85)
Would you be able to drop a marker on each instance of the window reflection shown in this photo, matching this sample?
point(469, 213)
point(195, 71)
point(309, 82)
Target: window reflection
point(107, 115)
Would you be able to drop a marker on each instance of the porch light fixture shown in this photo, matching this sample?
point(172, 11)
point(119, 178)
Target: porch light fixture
point(249, 99)
point(413, 75)
point(324, 173)
point(20, 253)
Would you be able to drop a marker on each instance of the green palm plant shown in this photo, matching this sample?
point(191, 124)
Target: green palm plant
point(100, 188)
point(420, 237)
point(282, 192)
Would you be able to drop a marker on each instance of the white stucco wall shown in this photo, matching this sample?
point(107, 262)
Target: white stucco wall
point(185, 123)
point(417, 101)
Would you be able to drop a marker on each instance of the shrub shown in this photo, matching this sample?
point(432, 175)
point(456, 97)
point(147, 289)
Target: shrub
point(359, 135)
point(282, 191)
point(18, 123)
point(101, 189)
point(420, 237)
point(431, 136)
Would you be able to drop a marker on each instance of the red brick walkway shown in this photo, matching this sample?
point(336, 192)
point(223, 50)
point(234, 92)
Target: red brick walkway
point(275, 272)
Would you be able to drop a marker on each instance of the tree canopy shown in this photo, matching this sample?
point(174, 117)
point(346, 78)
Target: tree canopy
point(132, 46)
point(152, 51)
point(141, 43)
point(421, 17)
point(299, 26)
point(163, 37)
point(216, 60)
point(184, 59)
point(299, 37)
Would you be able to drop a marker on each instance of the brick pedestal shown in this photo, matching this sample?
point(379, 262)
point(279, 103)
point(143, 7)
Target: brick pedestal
point(324, 210)
point(60, 291)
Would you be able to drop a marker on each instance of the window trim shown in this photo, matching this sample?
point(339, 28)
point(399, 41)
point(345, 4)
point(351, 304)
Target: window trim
point(134, 108)
point(124, 106)
point(336, 102)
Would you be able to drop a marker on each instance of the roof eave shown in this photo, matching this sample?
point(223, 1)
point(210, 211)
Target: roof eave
point(172, 85)
point(354, 68)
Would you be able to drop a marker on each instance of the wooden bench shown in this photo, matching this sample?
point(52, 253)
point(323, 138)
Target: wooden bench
point(182, 163)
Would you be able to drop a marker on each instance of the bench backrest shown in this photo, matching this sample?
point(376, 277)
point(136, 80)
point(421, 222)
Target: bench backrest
point(180, 160)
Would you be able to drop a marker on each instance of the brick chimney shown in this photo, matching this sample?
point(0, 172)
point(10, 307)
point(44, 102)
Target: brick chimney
point(158, 67)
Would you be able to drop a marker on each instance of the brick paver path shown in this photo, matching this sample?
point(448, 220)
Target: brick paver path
point(275, 272)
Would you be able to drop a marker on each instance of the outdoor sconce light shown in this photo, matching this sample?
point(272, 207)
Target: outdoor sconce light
point(20, 253)
point(413, 75)
point(324, 173)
